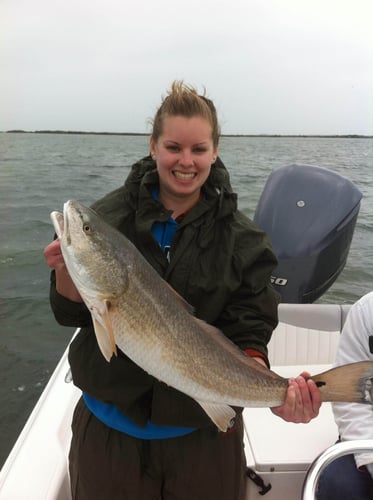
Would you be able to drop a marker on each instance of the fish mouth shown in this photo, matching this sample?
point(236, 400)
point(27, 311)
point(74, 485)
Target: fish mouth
point(66, 223)
point(58, 223)
point(61, 223)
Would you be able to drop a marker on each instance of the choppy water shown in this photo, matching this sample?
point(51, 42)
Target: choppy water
point(39, 172)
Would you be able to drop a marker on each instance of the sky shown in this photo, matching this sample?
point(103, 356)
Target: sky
point(270, 66)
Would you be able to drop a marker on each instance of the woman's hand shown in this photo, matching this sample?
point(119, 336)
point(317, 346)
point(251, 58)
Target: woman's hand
point(302, 402)
point(303, 399)
point(53, 255)
point(64, 283)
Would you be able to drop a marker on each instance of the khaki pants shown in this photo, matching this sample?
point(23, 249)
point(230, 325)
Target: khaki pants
point(108, 465)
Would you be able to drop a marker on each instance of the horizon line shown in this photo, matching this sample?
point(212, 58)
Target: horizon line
point(81, 132)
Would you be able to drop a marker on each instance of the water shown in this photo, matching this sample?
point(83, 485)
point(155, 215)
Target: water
point(39, 172)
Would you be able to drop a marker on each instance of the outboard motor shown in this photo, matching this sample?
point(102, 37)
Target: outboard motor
point(309, 213)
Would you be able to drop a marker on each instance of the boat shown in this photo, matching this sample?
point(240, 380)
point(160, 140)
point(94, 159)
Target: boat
point(280, 455)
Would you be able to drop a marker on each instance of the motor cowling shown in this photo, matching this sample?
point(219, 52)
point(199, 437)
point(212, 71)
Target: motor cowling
point(309, 213)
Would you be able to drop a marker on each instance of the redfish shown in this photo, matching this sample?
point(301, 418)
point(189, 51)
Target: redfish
point(134, 309)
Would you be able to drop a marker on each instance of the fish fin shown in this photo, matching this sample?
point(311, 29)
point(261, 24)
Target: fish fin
point(220, 414)
point(104, 332)
point(181, 299)
point(214, 333)
point(351, 383)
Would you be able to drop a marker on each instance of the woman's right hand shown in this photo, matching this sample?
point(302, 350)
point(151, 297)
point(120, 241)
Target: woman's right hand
point(53, 255)
point(64, 283)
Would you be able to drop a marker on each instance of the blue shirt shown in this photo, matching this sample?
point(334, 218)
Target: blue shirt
point(109, 414)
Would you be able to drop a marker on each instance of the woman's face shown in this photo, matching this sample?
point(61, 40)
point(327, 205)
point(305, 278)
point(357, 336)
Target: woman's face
point(184, 153)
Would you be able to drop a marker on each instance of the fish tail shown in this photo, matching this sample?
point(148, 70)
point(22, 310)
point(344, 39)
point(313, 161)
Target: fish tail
point(348, 383)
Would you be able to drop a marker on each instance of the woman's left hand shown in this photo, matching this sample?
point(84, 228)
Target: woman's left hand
point(303, 400)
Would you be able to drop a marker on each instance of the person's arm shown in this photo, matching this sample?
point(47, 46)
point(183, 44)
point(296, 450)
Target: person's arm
point(250, 314)
point(250, 317)
point(355, 421)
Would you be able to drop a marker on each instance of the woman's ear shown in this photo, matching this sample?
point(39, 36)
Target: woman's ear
point(215, 154)
point(152, 148)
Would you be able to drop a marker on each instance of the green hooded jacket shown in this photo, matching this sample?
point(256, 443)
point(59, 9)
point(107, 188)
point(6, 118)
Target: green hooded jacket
point(220, 262)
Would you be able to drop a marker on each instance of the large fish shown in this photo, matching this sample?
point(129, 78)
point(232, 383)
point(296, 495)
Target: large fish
point(135, 309)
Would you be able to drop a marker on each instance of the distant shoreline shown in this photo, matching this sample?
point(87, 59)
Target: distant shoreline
point(78, 132)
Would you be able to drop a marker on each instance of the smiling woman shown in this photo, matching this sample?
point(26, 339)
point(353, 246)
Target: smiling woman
point(178, 208)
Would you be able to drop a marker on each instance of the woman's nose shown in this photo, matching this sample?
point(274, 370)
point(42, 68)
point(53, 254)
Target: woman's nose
point(186, 158)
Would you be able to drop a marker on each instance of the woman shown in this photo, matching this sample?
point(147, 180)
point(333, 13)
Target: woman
point(134, 437)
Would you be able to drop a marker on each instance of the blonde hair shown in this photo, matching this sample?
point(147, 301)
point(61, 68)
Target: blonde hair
point(184, 100)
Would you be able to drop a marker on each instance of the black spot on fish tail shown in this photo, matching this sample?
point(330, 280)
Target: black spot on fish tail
point(368, 391)
point(318, 383)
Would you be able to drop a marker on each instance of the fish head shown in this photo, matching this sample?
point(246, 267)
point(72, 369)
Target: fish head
point(92, 250)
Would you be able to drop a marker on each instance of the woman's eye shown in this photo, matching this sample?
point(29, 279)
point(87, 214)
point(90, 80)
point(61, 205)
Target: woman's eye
point(174, 148)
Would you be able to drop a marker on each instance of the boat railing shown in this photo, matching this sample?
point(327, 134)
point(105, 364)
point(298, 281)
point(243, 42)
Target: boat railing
point(328, 456)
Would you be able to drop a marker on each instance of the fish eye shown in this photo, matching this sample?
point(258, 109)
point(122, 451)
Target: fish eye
point(87, 228)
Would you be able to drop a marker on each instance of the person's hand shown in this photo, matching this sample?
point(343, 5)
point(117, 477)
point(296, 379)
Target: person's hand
point(53, 255)
point(303, 401)
point(64, 283)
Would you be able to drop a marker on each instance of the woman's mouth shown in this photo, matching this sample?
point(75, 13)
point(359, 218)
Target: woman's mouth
point(184, 176)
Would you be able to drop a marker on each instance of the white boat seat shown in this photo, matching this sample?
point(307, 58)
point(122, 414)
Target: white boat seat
point(306, 335)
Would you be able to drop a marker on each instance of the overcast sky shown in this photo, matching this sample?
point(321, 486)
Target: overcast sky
point(271, 66)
